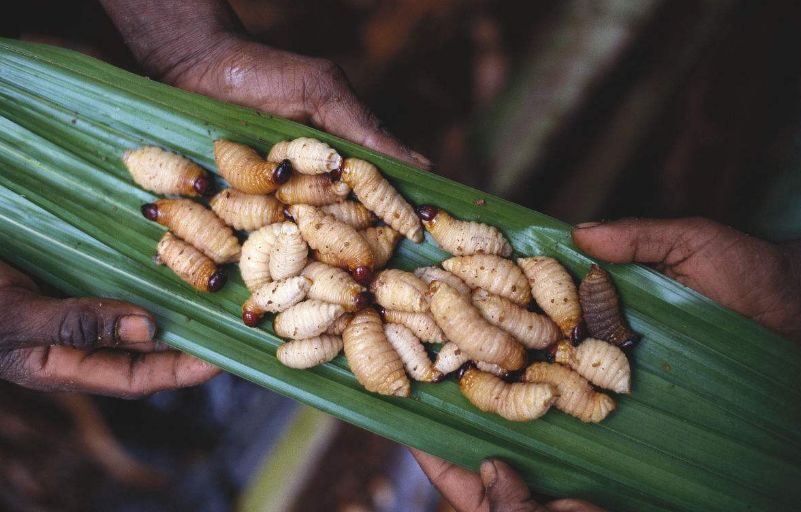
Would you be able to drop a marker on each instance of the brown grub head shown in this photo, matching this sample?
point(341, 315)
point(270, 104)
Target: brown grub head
point(362, 274)
point(578, 334)
point(550, 355)
point(202, 185)
point(150, 211)
point(427, 212)
point(335, 175)
point(364, 299)
point(217, 280)
point(631, 342)
point(462, 369)
point(251, 318)
point(282, 172)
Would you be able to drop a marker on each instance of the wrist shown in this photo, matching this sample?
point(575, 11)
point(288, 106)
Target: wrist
point(168, 37)
point(189, 59)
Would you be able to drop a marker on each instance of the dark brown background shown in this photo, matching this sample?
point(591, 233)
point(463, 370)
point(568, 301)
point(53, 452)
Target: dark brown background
point(584, 110)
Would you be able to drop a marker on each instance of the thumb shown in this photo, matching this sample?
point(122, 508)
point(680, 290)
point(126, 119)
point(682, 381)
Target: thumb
point(505, 490)
point(630, 240)
point(32, 320)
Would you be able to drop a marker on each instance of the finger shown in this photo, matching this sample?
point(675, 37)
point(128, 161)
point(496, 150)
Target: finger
point(505, 490)
point(145, 346)
point(645, 240)
point(334, 107)
point(109, 372)
point(32, 320)
point(573, 506)
point(462, 488)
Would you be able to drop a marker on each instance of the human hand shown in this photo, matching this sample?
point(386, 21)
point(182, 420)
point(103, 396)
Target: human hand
point(100, 346)
point(755, 278)
point(201, 46)
point(497, 488)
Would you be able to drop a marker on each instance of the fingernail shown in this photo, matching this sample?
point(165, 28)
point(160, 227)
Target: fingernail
point(423, 161)
point(489, 475)
point(585, 225)
point(135, 329)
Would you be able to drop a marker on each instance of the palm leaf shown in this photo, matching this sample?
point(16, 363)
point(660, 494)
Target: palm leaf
point(712, 423)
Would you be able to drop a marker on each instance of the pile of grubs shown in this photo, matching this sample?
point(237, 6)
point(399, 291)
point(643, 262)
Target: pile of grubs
point(322, 228)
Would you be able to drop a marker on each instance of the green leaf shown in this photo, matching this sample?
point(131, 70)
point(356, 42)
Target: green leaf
point(712, 423)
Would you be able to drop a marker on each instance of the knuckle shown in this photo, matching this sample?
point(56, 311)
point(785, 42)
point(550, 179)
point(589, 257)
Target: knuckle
point(329, 70)
point(79, 326)
point(140, 379)
point(326, 84)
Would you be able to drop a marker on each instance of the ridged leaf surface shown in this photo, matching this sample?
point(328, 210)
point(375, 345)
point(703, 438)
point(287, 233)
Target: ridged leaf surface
point(713, 419)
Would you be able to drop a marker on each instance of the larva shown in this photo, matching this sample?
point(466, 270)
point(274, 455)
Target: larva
point(576, 396)
point(254, 264)
point(306, 319)
point(429, 274)
point(314, 190)
point(164, 172)
point(274, 297)
point(351, 212)
point(189, 264)
point(532, 330)
point(196, 225)
point(399, 290)
point(421, 324)
point(334, 285)
point(328, 259)
point(492, 273)
point(601, 363)
point(375, 192)
point(339, 325)
point(450, 357)
point(326, 234)
point(414, 356)
point(462, 237)
point(308, 156)
point(601, 308)
point(555, 292)
point(246, 171)
point(289, 252)
point(376, 365)
point(463, 324)
point(246, 212)
point(382, 241)
point(520, 401)
point(310, 352)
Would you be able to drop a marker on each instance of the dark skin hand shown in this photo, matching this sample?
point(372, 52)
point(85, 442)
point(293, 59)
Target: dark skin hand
point(89, 345)
point(53, 344)
point(757, 279)
point(201, 46)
